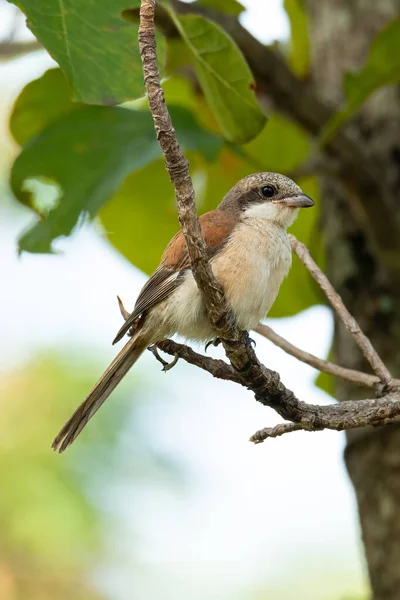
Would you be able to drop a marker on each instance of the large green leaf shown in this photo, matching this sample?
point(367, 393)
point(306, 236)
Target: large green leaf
point(40, 103)
point(224, 76)
point(95, 47)
point(89, 152)
point(381, 68)
point(299, 37)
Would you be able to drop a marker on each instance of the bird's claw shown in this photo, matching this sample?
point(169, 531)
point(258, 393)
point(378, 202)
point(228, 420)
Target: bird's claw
point(166, 366)
point(214, 342)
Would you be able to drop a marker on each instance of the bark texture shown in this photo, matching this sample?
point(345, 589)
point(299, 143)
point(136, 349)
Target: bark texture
point(341, 31)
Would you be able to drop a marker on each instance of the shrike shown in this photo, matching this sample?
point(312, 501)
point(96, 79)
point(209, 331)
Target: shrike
point(250, 254)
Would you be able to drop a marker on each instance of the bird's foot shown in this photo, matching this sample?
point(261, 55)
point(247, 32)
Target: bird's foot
point(214, 342)
point(252, 342)
point(167, 366)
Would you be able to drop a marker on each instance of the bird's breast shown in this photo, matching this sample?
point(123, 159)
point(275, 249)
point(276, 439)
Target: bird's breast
point(251, 269)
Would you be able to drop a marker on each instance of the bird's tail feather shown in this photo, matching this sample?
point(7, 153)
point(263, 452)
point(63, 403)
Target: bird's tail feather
point(100, 392)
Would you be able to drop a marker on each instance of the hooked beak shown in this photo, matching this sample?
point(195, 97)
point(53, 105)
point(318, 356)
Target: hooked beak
point(299, 201)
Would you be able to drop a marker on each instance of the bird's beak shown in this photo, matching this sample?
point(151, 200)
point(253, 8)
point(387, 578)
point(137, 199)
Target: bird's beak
point(299, 201)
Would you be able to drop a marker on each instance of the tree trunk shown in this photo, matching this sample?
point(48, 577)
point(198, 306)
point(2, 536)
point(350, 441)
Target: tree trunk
point(341, 32)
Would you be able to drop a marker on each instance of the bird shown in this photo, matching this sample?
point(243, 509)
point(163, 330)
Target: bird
point(249, 252)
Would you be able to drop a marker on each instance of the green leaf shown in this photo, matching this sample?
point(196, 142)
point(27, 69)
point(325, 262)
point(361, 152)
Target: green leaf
point(381, 68)
point(224, 76)
point(324, 381)
point(229, 7)
point(89, 152)
point(299, 38)
point(141, 218)
point(40, 103)
point(95, 47)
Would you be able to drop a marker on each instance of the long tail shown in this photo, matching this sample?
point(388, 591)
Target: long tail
point(100, 392)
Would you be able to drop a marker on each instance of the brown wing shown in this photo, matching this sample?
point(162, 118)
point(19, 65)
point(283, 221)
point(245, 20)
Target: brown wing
point(215, 227)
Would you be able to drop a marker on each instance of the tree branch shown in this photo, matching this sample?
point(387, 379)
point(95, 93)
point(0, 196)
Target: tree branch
point(337, 304)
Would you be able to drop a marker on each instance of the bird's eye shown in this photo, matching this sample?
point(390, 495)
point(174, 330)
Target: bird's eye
point(268, 191)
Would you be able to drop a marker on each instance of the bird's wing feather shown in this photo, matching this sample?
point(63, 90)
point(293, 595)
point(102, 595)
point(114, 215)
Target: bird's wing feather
point(216, 227)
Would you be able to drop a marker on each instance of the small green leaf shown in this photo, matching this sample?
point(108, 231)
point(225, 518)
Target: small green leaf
point(40, 103)
point(299, 38)
point(324, 381)
point(89, 152)
point(224, 76)
point(381, 68)
point(229, 7)
point(95, 47)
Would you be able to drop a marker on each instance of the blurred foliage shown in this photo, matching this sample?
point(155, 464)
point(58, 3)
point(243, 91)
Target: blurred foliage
point(230, 7)
point(382, 67)
point(299, 56)
point(95, 47)
point(50, 532)
point(54, 512)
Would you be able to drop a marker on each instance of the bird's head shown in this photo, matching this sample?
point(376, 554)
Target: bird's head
point(269, 196)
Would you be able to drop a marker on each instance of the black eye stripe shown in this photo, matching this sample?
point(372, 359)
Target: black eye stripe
point(268, 191)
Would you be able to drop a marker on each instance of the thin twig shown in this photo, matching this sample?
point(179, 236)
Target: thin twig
point(10, 50)
point(347, 319)
point(272, 432)
point(325, 366)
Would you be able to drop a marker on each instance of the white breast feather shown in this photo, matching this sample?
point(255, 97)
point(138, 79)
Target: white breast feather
point(251, 269)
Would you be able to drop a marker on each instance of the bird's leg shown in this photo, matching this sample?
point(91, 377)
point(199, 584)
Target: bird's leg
point(166, 365)
point(214, 342)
